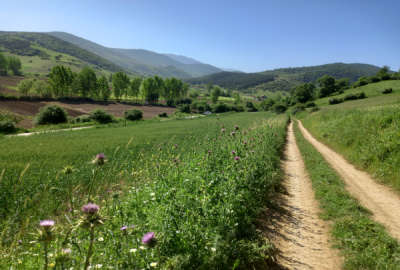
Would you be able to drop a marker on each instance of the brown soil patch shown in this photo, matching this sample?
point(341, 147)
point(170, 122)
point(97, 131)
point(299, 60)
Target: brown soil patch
point(6, 82)
point(300, 236)
point(27, 109)
point(383, 202)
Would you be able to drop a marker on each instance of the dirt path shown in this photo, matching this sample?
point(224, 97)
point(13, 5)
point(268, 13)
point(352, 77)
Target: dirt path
point(379, 199)
point(300, 236)
point(48, 131)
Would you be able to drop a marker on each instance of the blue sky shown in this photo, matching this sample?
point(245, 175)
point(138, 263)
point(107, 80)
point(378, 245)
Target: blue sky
point(247, 35)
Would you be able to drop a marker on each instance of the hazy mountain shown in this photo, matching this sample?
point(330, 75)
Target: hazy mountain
point(143, 61)
point(285, 78)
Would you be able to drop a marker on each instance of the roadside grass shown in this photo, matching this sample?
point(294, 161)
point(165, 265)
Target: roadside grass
point(368, 137)
point(180, 180)
point(371, 90)
point(363, 243)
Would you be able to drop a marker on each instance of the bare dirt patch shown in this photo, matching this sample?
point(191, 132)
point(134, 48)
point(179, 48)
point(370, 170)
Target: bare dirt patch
point(9, 81)
point(301, 237)
point(383, 202)
point(27, 109)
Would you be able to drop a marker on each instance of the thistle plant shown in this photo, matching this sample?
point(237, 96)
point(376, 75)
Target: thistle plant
point(90, 220)
point(46, 236)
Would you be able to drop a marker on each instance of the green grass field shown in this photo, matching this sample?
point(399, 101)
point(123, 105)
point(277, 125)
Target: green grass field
point(198, 184)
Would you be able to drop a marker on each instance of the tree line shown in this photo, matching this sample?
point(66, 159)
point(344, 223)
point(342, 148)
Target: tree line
point(9, 64)
point(63, 82)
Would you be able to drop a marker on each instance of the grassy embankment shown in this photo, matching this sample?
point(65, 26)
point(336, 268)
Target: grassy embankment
point(179, 179)
point(366, 132)
point(363, 243)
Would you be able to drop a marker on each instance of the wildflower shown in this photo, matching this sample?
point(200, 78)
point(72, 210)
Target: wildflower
point(213, 249)
point(142, 247)
point(222, 130)
point(52, 265)
point(149, 239)
point(133, 250)
point(233, 133)
point(237, 158)
point(66, 251)
point(98, 266)
point(153, 264)
point(90, 208)
point(236, 127)
point(47, 223)
point(124, 228)
point(100, 159)
point(233, 152)
point(101, 239)
point(68, 170)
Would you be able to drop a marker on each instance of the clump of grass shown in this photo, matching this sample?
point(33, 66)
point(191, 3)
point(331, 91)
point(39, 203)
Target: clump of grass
point(364, 243)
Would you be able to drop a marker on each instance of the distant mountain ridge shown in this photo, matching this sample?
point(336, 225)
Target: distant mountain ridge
point(284, 79)
point(142, 61)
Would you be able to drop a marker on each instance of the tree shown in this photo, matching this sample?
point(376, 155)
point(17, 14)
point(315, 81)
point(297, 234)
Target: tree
point(327, 85)
point(120, 83)
point(87, 83)
point(3, 65)
point(134, 88)
point(14, 64)
point(342, 84)
point(24, 86)
point(41, 88)
point(61, 79)
point(383, 73)
point(149, 90)
point(215, 93)
point(304, 92)
point(237, 98)
point(103, 88)
point(173, 89)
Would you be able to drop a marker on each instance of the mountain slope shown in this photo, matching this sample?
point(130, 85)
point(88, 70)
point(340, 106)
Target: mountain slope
point(285, 78)
point(143, 61)
point(46, 47)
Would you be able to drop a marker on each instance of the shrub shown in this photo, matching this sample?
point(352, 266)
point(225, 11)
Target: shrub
point(164, 114)
point(133, 115)
point(52, 114)
point(279, 108)
point(7, 126)
point(184, 101)
point(333, 101)
point(238, 108)
point(221, 108)
point(101, 117)
point(185, 108)
point(83, 119)
point(298, 108)
point(387, 91)
point(170, 103)
point(310, 104)
point(315, 109)
point(355, 96)
point(250, 107)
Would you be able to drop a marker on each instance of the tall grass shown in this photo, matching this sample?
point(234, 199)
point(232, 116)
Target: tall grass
point(198, 188)
point(369, 138)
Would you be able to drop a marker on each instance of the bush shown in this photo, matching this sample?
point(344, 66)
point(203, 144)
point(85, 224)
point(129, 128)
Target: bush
point(52, 114)
point(101, 117)
point(7, 126)
point(310, 104)
point(185, 108)
point(170, 103)
point(164, 114)
point(250, 107)
point(279, 108)
point(315, 109)
point(221, 108)
point(184, 101)
point(333, 101)
point(133, 115)
point(355, 96)
point(298, 108)
point(387, 91)
point(238, 108)
point(83, 119)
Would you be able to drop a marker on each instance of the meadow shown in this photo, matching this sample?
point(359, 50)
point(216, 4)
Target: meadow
point(193, 188)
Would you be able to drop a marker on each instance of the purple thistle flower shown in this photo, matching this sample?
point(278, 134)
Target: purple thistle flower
point(47, 223)
point(233, 133)
point(100, 156)
point(236, 127)
point(233, 152)
point(222, 130)
point(149, 238)
point(124, 228)
point(100, 159)
point(237, 158)
point(90, 208)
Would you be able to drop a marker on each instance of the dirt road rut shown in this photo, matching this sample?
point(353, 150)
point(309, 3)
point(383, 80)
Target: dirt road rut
point(301, 237)
point(379, 199)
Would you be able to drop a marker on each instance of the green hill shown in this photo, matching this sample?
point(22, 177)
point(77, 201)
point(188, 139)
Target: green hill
point(285, 78)
point(143, 61)
point(39, 52)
